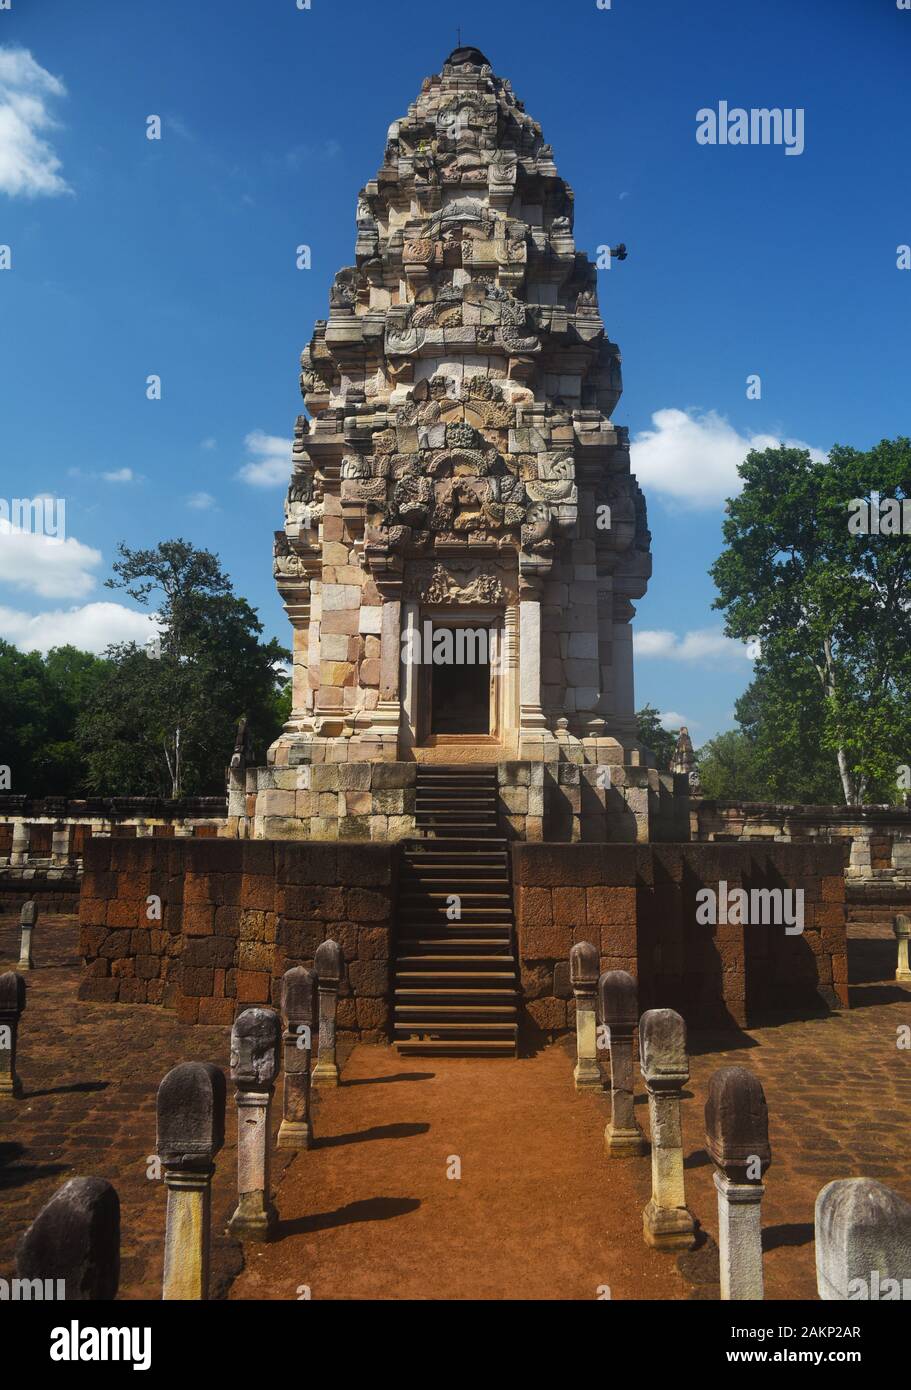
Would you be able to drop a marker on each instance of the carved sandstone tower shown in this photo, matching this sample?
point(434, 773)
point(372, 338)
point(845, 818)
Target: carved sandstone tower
point(459, 490)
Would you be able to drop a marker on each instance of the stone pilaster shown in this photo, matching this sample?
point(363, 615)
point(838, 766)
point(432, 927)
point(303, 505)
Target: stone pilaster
point(12, 1006)
point(737, 1140)
point(666, 1222)
point(329, 963)
point(863, 1241)
point(300, 1017)
point(74, 1242)
point(583, 977)
point(191, 1130)
point(255, 1045)
point(620, 1015)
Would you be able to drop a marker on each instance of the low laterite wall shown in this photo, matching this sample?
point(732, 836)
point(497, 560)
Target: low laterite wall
point(235, 915)
point(638, 904)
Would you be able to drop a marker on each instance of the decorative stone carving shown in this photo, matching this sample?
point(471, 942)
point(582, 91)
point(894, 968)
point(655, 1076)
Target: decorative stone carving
point(434, 583)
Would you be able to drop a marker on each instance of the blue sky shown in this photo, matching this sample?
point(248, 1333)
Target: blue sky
point(176, 257)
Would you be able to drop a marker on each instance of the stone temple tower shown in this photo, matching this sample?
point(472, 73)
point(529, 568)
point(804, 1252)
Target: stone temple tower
point(463, 538)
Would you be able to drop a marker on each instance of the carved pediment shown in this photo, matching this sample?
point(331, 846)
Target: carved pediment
point(457, 582)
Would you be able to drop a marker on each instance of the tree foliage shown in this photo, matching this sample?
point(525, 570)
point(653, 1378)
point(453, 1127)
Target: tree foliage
point(40, 700)
point(165, 721)
point(831, 608)
point(653, 734)
point(73, 724)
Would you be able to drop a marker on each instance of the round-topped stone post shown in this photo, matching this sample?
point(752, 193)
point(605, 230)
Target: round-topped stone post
point(620, 1015)
point(329, 963)
point(901, 925)
point(737, 1140)
point(584, 964)
point(12, 1006)
point(666, 1222)
point(28, 919)
point(299, 1014)
point(255, 1046)
point(863, 1241)
point(73, 1244)
point(191, 1130)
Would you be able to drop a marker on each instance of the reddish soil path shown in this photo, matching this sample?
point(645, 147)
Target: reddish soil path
point(538, 1213)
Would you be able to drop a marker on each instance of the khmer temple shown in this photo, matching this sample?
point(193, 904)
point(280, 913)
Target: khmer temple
point(463, 539)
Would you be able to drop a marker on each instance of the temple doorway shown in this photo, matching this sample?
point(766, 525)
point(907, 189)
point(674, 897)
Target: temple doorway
point(460, 692)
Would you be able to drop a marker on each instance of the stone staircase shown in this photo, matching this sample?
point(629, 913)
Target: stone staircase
point(456, 981)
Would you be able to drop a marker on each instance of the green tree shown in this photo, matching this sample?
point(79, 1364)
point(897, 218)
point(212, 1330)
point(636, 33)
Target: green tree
point(40, 700)
point(831, 608)
point(728, 770)
point(653, 734)
point(165, 721)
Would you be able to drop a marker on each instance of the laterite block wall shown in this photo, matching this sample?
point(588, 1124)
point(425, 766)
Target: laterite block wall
point(235, 915)
point(638, 904)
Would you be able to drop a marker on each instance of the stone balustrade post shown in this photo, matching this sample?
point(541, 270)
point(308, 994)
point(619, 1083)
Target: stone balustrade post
point(73, 1244)
point(300, 1019)
point(737, 1140)
point(22, 834)
point(863, 1241)
point(329, 963)
point(901, 926)
point(255, 1055)
point(584, 965)
point(28, 920)
point(620, 1014)
point(60, 844)
point(666, 1222)
point(191, 1130)
point(12, 1006)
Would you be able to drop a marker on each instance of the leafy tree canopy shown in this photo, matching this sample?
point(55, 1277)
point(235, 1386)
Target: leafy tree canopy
point(830, 606)
point(653, 734)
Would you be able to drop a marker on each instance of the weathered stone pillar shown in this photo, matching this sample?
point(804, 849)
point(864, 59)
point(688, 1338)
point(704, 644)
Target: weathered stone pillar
point(12, 1005)
point(737, 1140)
point(620, 1014)
point(584, 962)
point(60, 844)
point(22, 834)
point(330, 968)
point(863, 1240)
point(255, 1043)
point(191, 1130)
point(299, 1012)
point(901, 926)
point(531, 713)
point(74, 1242)
point(666, 1222)
point(410, 615)
point(623, 717)
point(28, 919)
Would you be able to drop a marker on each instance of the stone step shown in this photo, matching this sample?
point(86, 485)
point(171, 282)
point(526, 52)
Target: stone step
point(439, 977)
point(471, 1013)
point(471, 994)
point(457, 1047)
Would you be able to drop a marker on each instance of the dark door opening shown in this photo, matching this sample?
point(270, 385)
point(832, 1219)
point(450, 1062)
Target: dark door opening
point(460, 697)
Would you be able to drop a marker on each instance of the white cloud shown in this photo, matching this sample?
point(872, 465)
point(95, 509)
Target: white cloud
point(50, 568)
point(29, 167)
point(673, 721)
point(91, 628)
point(271, 463)
point(700, 644)
point(209, 442)
point(201, 501)
point(119, 475)
point(692, 458)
